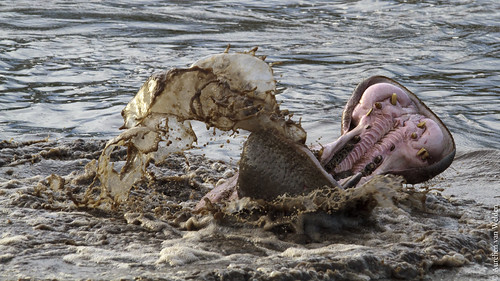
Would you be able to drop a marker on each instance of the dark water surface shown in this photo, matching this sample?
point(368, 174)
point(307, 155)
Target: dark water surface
point(67, 68)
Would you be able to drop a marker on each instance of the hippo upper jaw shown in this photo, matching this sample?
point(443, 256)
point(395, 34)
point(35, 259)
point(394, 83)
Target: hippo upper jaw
point(386, 129)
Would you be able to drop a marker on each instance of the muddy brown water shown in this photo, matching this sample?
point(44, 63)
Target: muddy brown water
point(380, 231)
point(68, 69)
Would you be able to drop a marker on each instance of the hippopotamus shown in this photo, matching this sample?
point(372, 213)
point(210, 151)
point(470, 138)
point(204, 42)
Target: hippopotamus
point(385, 129)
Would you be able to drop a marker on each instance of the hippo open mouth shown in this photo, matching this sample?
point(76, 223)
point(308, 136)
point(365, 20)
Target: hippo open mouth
point(386, 129)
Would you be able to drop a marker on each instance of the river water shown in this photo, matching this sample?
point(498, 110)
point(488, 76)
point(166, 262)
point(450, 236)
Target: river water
point(68, 68)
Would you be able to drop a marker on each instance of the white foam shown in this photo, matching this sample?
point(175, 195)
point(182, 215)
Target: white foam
point(8, 240)
point(185, 254)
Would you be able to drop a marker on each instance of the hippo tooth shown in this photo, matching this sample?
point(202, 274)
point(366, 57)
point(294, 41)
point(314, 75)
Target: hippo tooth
point(378, 105)
point(421, 151)
point(413, 135)
point(378, 159)
point(369, 112)
point(370, 167)
point(394, 99)
point(421, 124)
point(425, 155)
point(352, 181)
point(318, 153)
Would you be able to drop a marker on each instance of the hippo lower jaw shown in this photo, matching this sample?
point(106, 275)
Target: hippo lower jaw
point(272, 165)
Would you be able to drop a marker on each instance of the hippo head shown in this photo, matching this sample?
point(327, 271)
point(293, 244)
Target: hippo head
point(386, 129)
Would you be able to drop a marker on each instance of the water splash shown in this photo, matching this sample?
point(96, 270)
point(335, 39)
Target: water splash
point(228, 91)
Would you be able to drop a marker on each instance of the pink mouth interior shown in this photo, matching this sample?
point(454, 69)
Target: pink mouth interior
point(393, 135)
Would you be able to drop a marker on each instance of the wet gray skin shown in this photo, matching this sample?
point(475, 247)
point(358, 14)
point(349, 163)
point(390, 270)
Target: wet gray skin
point(271, 165)
point(386, 129)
